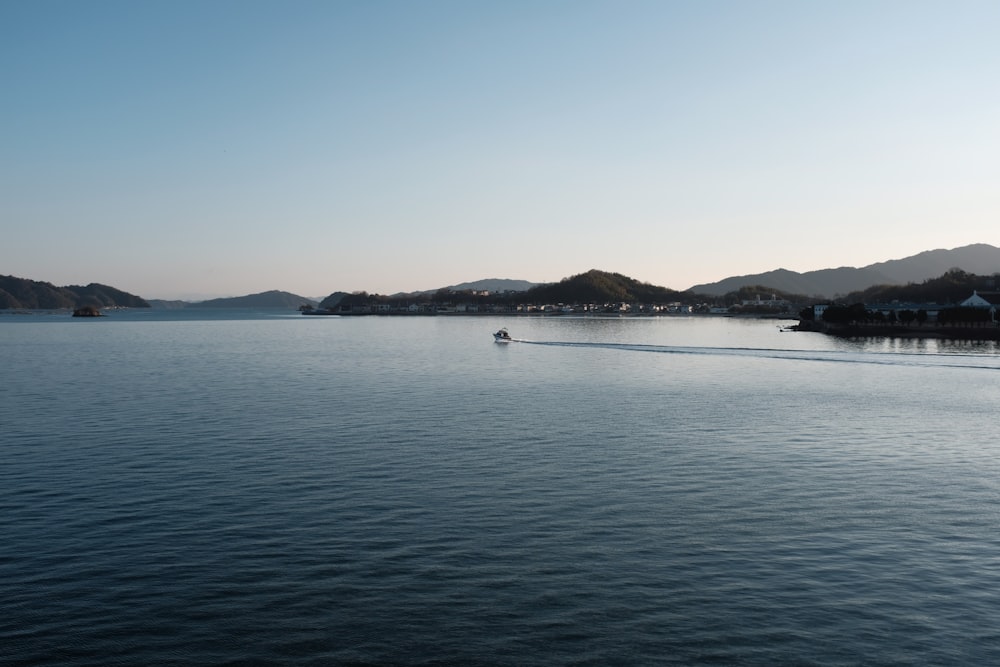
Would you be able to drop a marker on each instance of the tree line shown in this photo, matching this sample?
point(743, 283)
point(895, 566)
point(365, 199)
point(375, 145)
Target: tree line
point(857, 314)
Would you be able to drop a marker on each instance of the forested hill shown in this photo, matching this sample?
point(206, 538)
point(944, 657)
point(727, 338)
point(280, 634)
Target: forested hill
point(950, 288)
point(33, 294)
point(600, 287)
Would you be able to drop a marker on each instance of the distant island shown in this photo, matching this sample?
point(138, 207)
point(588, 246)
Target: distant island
point(87, 311)
point(592, 291)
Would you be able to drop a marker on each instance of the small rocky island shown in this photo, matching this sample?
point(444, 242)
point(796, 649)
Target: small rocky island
point(87, 311)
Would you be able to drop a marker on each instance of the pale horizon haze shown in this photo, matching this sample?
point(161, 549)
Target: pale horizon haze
point(221, 148)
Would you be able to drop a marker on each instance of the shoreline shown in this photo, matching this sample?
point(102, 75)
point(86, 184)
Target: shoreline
point(988, 332)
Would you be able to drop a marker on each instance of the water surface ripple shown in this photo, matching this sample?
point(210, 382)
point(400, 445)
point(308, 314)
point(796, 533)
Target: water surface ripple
point(285, 490)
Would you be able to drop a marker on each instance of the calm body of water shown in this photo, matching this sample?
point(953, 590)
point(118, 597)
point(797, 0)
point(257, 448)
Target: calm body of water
point(181, 489)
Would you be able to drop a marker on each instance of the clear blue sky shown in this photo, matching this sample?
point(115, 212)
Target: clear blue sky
point(176, 148)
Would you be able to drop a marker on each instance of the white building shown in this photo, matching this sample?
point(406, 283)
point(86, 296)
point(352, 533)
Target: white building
point(986, 300)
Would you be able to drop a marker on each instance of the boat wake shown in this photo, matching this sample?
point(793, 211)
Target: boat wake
point(927, 359)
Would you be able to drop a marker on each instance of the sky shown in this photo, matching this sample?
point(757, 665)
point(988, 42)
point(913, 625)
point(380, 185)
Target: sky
point(192, 149)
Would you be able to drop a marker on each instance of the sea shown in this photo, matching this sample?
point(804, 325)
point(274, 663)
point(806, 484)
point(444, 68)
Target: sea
point(264, 488)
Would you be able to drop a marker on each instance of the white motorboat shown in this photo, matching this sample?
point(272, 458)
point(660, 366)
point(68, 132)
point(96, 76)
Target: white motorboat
point(502, 336)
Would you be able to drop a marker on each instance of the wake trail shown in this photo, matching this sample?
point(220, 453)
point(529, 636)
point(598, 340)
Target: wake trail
point(927, 359)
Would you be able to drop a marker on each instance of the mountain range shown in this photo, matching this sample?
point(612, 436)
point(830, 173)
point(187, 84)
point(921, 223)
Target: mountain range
point(270, 299)
point(979, 258)
point(494, 285)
